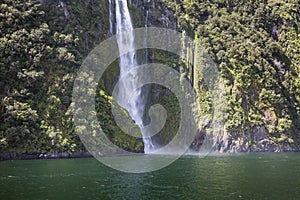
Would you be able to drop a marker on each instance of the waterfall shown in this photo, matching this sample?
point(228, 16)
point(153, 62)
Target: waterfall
point(128, 96)
point(147, 18)
point(111, 25)
point(146, 53)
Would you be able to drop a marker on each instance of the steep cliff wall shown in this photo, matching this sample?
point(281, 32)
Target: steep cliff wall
point(256, 46)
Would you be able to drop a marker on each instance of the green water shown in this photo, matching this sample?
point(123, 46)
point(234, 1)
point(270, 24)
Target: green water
point(247, 176)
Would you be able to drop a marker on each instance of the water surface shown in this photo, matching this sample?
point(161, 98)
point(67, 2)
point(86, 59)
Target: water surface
point(247, 176)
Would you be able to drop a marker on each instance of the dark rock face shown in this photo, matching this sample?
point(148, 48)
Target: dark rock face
point(198, 141)
point(255, 140)
point(199, 138)
point(158, 14)
point(5, 156)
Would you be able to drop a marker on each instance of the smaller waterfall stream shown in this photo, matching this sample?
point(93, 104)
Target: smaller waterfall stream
point(147, 18)
point(111, 25)
point(146, 53)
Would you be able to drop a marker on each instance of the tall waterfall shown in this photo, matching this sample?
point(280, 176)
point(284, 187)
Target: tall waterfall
point(129, 97)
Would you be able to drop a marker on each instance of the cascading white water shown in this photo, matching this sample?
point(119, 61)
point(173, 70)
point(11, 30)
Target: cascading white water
point(147, 18)
point(111, 25)
point(146, 53)
point(129, 97)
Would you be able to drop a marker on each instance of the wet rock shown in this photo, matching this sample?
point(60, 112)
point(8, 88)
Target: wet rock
point(80, 155)
point(199, 138)
point(5, 156)
point(255, 140)
point(64, 6)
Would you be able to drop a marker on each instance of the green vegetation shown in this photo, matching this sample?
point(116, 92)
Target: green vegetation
point(256, 45)
point(41, 51)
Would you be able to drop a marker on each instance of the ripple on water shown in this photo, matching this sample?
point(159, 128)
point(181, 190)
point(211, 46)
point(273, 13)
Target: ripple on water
point(251, 176)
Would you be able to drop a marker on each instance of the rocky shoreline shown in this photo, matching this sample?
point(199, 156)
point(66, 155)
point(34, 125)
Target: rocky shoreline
point(15, 156)
point(256, 140)
point(65, 155)
point(48, 156)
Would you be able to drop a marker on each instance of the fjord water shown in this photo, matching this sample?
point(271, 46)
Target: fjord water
point(246, 176)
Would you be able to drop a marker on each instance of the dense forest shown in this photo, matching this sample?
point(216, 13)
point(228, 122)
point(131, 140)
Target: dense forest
point(256, 45)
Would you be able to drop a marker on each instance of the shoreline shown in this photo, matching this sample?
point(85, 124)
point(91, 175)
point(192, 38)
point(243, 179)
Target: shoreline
point(53, 156)
point(43, 156)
